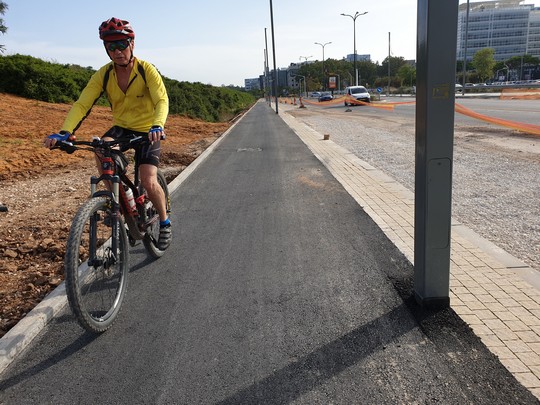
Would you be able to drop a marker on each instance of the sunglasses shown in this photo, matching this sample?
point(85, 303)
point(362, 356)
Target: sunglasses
point(120, 45)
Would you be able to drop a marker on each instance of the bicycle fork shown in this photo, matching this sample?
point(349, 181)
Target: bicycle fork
point(112, 257)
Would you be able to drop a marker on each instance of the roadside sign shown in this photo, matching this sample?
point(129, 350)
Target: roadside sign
point(332, 82)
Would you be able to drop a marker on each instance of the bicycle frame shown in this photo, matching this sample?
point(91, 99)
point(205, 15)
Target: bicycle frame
point(118, 194)
point(116, 209)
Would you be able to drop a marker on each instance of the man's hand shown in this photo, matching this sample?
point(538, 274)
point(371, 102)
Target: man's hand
point(51, 140)
point(156, 134)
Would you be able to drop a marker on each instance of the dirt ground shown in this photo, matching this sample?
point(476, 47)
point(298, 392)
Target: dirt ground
point(40, 191)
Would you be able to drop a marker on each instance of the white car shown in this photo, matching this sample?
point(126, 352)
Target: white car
point(315, 94)
point(359, 93)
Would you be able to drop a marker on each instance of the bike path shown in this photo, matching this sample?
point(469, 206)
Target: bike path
point(278, 288)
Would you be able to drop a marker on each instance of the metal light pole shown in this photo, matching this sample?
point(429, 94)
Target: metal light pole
point(267, 71)
point(356, 15)
point(305, 82)
point(465, 52)
point(305, 88)
point(274, 52)
point(323, 45)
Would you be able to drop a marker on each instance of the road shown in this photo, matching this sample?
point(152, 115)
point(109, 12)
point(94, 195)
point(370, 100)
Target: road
point(525, 111)
point(495, 184)
point(277, 289)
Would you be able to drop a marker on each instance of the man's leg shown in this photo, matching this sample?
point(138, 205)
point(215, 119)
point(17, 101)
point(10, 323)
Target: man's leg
point(148, 176)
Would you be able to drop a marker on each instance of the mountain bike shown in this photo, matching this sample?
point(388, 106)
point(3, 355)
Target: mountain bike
point(115, 216)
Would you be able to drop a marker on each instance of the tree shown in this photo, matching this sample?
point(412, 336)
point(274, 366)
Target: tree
point(3, 28)
point(407, 74)
point(484, 63)
point(516, 62)
point(367, 72)
point(395, 63)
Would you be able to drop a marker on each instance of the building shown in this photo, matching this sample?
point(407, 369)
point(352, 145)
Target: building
point(359, 58)
point(283, 79)
point(508, 26)
point(252, 84)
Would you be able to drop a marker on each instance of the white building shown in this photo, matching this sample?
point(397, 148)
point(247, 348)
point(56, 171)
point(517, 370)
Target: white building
point(508, 26)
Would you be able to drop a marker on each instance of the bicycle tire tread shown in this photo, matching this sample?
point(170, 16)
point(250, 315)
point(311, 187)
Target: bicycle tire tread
point(71, 267)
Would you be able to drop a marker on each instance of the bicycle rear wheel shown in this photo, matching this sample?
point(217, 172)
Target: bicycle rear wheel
point(151, 217)
point(96, 274)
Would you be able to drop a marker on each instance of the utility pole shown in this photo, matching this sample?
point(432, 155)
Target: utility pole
point(435, 99)
point(389, 53)
point(274, 52)
point(267, 70)
point(465, 51)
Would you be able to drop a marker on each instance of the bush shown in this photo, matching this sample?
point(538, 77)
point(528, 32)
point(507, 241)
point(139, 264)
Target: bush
point(34, 78)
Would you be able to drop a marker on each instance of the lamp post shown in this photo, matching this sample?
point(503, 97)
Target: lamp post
point(300, 83)
point(305, 88)
point(275, 84)
point(305, 82)
point(465, 51)
point(323, 45)
point(356, 15)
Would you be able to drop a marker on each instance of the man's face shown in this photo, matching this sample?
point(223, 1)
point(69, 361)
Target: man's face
point(120, 51)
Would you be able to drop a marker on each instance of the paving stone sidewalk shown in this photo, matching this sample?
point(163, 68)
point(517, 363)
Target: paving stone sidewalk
point(495, 294)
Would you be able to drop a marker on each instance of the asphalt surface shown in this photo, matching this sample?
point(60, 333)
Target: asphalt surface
point(277, 289)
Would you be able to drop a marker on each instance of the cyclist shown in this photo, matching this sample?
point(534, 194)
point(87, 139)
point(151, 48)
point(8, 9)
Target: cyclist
point(139, 105)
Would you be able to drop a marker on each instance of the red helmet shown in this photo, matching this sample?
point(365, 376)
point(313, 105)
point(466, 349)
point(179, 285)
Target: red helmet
point(115, 29)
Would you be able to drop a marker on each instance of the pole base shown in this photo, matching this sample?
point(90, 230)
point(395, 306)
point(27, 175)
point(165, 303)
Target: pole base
point(435, 303)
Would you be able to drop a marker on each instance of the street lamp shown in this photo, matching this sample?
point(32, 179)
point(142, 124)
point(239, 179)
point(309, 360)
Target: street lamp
point(305, 85)
point(305, 58)
point(275, 83)
point(323, 45)
point(465, 52)
point(356, 15)
point(338, 82)
point(300, 83)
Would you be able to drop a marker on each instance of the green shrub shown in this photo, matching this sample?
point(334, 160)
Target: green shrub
point(34, 78)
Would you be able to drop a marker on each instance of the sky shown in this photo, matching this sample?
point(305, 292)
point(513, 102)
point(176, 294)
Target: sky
point(211, 41)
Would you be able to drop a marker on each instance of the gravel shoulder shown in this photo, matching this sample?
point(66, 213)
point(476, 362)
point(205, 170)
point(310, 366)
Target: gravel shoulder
point(41, 191)
point(495, 175)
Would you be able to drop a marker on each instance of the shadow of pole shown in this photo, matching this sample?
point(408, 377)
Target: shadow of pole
point(305, 374)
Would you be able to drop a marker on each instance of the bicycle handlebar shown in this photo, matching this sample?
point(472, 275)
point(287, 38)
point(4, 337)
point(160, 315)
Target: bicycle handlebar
point(97, 143)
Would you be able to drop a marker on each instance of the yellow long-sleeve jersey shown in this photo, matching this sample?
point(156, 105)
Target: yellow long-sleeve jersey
point(144, 104)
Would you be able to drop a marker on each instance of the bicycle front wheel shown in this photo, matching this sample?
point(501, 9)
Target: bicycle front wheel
point(96, 265)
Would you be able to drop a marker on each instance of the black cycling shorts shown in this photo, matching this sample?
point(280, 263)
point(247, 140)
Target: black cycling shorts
point(144, 154)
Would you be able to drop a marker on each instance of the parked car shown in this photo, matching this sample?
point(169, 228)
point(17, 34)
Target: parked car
point(326, 97)
point(358, 93)
point(316, 94)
